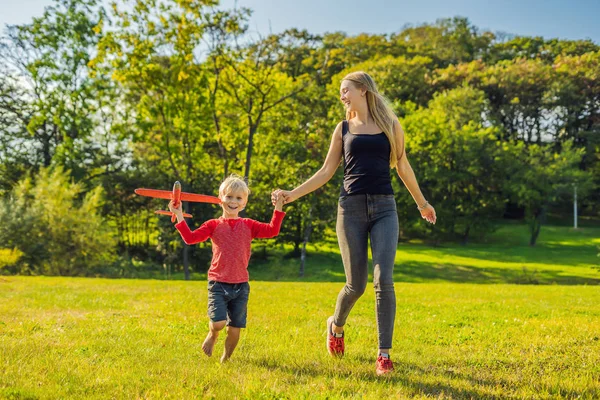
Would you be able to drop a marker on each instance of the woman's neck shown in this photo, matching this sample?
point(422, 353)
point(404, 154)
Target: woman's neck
point(362, 116)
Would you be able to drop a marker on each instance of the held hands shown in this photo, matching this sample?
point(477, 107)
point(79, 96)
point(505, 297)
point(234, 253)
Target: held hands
point(278, 202)
point(285, 195)
point(427, 211)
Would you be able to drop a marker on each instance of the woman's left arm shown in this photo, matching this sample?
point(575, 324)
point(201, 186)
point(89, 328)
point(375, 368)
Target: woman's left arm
point(406, 173)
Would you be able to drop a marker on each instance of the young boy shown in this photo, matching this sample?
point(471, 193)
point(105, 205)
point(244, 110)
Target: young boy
point(228, 287)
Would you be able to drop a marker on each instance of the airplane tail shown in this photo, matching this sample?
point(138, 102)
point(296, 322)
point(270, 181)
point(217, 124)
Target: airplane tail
point(169, 213)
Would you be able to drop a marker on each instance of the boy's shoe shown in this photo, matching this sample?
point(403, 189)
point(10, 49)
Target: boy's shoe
point(384, 365)
point(335, 344)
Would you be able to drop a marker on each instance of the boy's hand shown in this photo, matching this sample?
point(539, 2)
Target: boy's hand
point(287, 196)
point(177, 211)
point(280, 199)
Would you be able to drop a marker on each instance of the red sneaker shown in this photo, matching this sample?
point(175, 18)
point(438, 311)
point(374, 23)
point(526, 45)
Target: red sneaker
point(384, 365)
point(335, 345)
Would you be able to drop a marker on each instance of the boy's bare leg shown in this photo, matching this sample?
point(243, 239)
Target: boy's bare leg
point(233, 337)
point(211, 338)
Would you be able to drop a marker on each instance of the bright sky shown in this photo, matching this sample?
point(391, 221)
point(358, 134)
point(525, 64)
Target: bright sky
point(572, 19)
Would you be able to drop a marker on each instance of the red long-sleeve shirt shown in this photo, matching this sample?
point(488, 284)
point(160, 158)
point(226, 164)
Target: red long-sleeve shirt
point(231, 240)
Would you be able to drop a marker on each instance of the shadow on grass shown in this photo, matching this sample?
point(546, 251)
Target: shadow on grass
point(424, 272)
point(327, 267)
point(547, 253)
point(412, 377)
point(505, 257)
point(398, 378)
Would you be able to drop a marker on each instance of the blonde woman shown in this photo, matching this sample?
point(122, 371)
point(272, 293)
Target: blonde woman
point(370, 142)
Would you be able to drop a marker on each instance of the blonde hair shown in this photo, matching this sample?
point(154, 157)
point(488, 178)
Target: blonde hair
point(379, 109)
point(234, 183)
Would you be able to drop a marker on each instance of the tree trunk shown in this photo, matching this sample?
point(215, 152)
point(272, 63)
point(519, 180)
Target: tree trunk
point(307, 232)
point(465, 236)
point(186, 263)
point(535, 231)
point(186, 252)
point(536, 226)
point(251, 132)
point(146, 231)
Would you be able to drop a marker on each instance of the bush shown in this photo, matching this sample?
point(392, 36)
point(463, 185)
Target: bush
point(56, 227)
point(9, 258)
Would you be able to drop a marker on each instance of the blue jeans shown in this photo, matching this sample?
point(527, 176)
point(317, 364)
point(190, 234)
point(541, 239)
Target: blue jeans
point(228, 301)
point(360, 216)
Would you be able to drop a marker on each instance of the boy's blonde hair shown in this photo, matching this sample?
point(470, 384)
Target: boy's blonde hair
point(233, 183)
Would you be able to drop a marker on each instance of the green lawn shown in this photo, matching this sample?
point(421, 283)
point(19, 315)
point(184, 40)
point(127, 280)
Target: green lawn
point(492, 320)
point(562, 256)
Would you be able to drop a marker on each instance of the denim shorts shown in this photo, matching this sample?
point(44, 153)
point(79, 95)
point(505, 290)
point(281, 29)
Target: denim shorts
point(228, 301)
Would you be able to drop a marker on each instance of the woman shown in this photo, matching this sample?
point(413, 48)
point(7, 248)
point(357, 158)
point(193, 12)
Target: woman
point(370, 141)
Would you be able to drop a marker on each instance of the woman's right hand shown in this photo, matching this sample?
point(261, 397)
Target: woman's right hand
point(428, 214)
point(287, 196)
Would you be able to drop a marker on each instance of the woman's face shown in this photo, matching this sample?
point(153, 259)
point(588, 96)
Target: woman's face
point(351, 96)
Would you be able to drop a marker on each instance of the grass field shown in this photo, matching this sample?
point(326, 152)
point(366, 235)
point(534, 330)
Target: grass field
point(493, 320)
point(562, 256)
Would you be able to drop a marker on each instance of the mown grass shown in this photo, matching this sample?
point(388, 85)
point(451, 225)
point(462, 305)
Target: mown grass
point(489, 320)
point(99, 338)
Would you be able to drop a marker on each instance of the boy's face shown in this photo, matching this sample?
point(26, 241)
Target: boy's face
point(232, 202)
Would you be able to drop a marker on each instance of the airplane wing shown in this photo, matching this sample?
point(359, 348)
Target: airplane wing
point(168, 194)
point(169, 213)
point(160, 194)
point(199, 198)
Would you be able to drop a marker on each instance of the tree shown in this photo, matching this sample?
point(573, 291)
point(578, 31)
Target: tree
point(223, 28)
point(456, 162)
point(538, 176)
point(517, 91)
point(576, 94)
point(57, 229)
point(290, 155)
point(448, 41)
point(400, 79)
point(537, 48)
point(256, 86)
point(153, 52)
point(14, 117)
point(49, 59)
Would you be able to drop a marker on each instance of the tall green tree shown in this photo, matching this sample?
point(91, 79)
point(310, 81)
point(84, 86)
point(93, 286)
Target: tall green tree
point(517, 91)
point(537, 47)
point(14, 116)
point(49, 58)
point(576, 92)
point(256, 87)
point(155, 55)
point(447, 41)
point(456, 161)
point(539, 176)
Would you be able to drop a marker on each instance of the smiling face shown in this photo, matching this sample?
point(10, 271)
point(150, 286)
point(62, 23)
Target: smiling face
point(233, 201)
point(351, 96)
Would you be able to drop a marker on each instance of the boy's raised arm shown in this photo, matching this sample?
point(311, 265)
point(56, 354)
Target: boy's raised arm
point(189, 237)
point(265, 231)
point(197, 236)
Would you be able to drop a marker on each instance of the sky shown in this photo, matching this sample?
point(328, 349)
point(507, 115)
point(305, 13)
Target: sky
point(567, 19)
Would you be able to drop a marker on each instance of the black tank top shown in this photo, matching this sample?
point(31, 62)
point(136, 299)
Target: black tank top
point(366, 163)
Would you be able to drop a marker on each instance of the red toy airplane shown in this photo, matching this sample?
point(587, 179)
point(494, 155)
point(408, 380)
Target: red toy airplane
point(177, 196)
